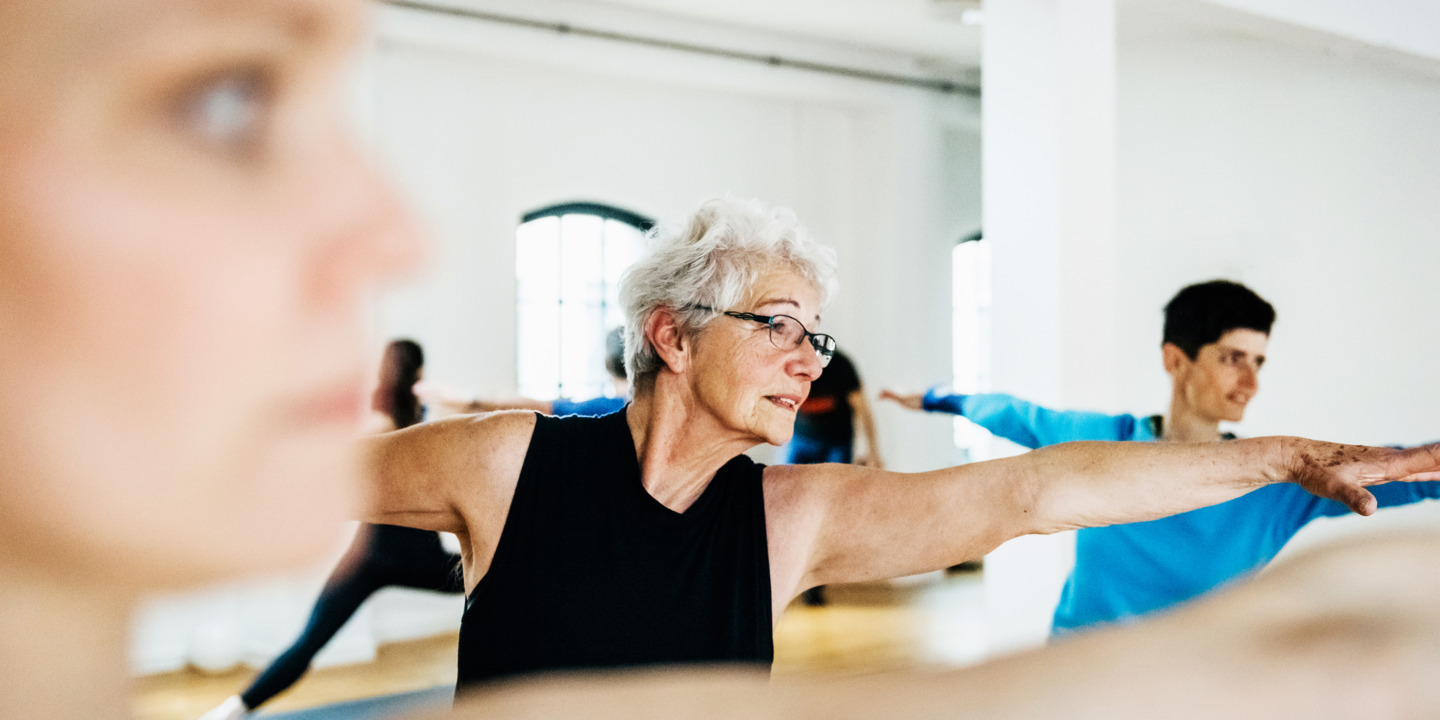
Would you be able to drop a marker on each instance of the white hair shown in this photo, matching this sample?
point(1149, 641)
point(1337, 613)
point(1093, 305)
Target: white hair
point(712, 262)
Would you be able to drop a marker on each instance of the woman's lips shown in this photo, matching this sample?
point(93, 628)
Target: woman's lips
point(785, 402)
point(338, 405)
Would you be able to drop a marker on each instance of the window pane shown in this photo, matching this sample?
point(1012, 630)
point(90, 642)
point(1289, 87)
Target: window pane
point(568, 270)
point(582, 360)
point(623, 244)
point(537, 337)
point(537, 248)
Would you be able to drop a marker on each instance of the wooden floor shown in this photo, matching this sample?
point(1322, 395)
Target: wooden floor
point(920, 622)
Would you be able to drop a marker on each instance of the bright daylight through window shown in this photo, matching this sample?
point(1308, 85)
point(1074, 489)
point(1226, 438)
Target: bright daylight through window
point(568, 262)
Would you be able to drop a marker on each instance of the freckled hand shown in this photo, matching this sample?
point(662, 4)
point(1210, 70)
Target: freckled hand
point(1341, 472)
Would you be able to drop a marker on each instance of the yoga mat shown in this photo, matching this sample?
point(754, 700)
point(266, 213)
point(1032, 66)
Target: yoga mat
point(376, 708)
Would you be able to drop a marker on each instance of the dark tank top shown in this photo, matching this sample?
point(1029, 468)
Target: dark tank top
point(593, 572)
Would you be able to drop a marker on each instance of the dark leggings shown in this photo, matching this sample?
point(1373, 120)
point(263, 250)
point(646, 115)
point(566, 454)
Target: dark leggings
point(381, 556)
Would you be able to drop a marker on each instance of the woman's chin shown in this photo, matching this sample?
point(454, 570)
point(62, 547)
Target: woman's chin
point(781, 436)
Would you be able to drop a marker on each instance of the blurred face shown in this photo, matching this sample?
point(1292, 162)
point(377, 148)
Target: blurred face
point(187, 239)
point(751, 386)
point(1224, 376)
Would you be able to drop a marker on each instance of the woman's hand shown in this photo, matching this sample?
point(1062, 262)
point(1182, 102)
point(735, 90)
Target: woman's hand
point(1342, 472)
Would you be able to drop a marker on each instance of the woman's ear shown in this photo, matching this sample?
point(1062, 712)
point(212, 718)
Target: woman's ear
point(662, 331)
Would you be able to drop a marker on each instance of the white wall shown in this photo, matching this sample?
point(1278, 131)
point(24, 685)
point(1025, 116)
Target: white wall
point(1406, 26)
point(1050, 212)
point(1313, 179)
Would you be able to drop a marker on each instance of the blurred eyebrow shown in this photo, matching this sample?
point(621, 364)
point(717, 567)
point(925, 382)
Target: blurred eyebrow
point(299, 21)
point(1259, 359)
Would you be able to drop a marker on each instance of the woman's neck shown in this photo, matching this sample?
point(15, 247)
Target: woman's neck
point(64, 653)
point(679, 447)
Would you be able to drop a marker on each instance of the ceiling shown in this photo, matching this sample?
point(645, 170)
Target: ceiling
point(930, 28)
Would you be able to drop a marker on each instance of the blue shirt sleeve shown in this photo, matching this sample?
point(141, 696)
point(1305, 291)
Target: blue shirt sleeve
point(594, 407)
point(1034, 426)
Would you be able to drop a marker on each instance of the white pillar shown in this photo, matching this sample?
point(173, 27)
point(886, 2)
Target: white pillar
point(1048, 134)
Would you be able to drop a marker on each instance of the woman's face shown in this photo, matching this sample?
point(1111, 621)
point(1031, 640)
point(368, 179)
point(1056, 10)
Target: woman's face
point(751, 386)
point(187, 241)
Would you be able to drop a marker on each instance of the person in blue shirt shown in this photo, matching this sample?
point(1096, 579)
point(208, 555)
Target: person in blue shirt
point(1214, 345)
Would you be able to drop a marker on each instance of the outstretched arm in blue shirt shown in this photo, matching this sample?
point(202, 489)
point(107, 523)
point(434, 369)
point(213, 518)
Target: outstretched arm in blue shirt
point(1034, 426)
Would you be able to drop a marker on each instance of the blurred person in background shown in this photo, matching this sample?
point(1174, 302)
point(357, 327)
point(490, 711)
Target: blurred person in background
point(825, 423)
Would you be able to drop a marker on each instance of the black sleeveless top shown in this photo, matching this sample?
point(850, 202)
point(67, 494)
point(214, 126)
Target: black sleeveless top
point(593, 572)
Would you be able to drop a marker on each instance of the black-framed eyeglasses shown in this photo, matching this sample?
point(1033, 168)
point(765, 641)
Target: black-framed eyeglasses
point(786, 332)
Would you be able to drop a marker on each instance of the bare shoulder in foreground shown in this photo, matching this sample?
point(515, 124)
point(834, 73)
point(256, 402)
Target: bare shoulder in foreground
point(1344, 631)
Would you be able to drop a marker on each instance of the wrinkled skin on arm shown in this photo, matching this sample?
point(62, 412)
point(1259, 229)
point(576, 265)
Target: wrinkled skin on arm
point(834, 523)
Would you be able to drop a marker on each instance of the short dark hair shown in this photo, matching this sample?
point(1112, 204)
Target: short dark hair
point(615, 353)
point(1199, 314)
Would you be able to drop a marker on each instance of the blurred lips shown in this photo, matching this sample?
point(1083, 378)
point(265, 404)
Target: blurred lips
point(339, 404)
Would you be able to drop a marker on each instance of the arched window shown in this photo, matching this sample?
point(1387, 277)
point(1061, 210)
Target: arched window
point(568, 262)
point(970, 315)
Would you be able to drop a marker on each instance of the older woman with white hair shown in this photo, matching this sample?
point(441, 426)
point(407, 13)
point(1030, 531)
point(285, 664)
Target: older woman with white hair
point(647, 536)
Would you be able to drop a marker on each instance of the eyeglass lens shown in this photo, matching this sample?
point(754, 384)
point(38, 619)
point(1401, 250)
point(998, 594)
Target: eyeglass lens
point(787, 332)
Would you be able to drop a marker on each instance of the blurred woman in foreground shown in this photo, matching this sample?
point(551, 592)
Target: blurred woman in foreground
point(188, 236)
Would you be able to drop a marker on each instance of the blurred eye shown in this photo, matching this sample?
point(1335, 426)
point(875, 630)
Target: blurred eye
point(228, 111)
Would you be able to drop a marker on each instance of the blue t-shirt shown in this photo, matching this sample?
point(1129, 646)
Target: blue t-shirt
point(594, 407)
point(1124, 571)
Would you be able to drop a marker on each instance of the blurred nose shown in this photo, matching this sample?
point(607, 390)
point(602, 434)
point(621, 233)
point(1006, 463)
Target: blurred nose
point(372, 239)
